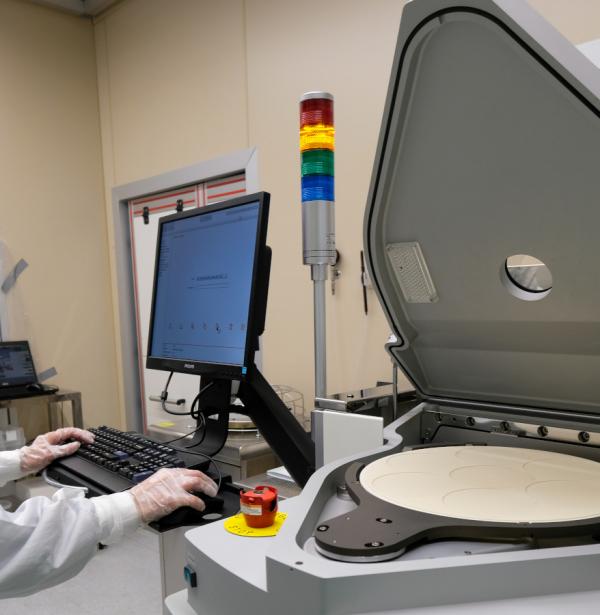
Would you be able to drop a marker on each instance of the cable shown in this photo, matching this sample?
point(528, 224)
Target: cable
point(191, 433)
point(196, 415)
point(168, 383)
point(203, 427)
point(199, 416)
point(186, 450)
point(164, 396)
point(210, 459)
point(53, 483)
point(175, 448)
point(173, 413)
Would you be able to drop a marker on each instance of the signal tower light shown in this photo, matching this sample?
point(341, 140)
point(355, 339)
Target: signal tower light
point(317, 144)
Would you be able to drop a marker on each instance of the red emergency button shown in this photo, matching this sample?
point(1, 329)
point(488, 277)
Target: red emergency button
point(259, 506)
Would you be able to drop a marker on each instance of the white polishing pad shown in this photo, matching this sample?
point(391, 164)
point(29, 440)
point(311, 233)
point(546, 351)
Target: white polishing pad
point(488, 483)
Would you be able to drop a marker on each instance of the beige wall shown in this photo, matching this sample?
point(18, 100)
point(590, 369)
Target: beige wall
point(51, 201)
point(181, 81)
point(577, 20)
point(187, 80)
point(172, 84)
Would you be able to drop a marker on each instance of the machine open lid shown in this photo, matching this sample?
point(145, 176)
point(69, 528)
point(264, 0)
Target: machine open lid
point(482, 228)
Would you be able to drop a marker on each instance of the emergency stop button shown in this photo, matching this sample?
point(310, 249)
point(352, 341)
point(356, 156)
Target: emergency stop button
point(190, 576)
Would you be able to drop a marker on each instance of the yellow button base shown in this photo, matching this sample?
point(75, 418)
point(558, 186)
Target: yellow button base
point(237, 525)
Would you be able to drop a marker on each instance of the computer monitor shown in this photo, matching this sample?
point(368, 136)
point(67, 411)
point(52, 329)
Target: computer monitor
point(16, 365)
point(209, 295)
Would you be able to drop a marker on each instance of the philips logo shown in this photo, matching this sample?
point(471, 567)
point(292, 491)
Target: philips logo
point(189, 365)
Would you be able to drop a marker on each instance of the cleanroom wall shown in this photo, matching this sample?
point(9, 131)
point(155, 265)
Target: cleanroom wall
point(578, 20)
point(185, 81)
point(182, 81)
point(51, 194)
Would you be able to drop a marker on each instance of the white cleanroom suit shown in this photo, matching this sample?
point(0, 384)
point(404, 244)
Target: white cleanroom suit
point(48, 540)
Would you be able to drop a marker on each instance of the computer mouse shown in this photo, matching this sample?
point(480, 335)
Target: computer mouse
point(186, 515)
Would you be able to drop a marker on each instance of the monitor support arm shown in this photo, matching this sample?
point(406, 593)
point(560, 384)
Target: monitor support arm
point(278, 426)
point(275, 422)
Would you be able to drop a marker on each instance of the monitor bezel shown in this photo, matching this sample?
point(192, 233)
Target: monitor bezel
point(202, 368)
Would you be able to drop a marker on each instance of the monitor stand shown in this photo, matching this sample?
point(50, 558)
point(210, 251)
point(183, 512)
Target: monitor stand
point(213, 407)
point(275, 422)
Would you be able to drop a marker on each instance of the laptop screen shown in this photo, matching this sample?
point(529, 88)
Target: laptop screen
point(16, 364)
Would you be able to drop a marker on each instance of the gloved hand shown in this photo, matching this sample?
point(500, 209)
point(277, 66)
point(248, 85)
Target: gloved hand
point(167, 490)
point(48, 447)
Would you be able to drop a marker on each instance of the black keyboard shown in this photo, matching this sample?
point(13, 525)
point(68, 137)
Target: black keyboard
point(118, 460)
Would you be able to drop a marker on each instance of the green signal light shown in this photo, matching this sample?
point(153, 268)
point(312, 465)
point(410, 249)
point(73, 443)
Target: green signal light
point(317, 162)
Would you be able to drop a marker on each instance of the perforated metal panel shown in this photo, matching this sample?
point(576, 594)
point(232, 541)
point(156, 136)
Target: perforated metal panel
point(411, 271)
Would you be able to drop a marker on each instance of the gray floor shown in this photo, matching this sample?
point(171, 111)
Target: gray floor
point(122, 579)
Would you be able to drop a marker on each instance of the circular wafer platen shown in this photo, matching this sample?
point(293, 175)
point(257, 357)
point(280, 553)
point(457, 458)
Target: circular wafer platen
point(238, 526)
point(488, 483)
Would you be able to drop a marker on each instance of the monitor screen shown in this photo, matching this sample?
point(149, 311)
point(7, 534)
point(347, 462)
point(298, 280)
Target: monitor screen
point(204, 286)
point(16, 364)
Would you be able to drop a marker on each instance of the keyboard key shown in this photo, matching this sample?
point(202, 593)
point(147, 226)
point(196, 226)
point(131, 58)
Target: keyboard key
point(138, 477)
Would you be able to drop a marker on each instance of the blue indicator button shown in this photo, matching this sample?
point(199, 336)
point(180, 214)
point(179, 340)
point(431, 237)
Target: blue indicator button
point(190, 576)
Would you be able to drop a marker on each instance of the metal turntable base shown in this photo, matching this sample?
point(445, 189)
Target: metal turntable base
point(481, 493)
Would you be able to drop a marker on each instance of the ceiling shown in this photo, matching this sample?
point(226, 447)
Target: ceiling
point(85, 8)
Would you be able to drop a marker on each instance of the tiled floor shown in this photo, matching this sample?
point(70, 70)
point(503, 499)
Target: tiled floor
point(122, 579)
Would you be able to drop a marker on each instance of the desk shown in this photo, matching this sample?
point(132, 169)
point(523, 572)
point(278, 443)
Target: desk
point(60, 396)
point(52, 400)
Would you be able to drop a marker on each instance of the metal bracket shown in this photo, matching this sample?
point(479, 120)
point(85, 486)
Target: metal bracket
point(335, 271)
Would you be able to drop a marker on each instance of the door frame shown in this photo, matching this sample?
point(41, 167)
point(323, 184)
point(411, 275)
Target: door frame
point(242, 161)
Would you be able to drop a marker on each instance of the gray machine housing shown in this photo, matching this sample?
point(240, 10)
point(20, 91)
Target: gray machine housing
point(489, 148)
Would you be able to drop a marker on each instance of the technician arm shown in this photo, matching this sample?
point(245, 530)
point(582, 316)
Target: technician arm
point(43, 450)
point(48, 540)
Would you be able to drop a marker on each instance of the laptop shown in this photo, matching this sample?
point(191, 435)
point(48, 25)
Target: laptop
point(17, 372)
